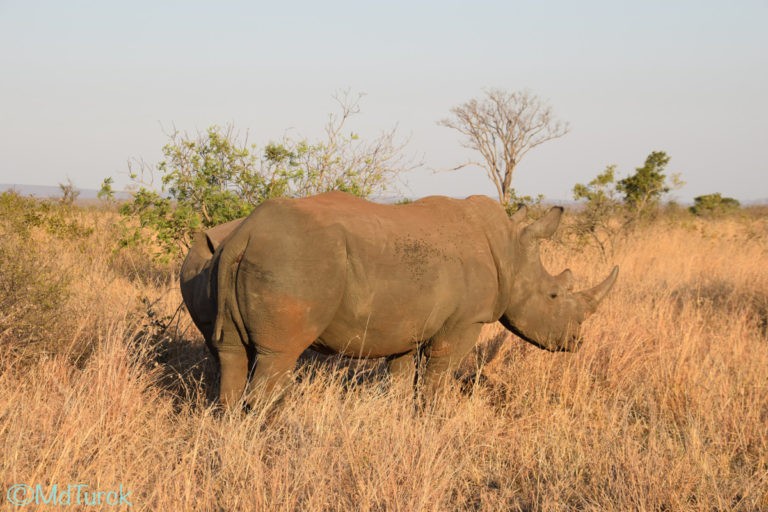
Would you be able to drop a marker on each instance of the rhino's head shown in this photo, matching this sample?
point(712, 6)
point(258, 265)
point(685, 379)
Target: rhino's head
point(543, 309)
point(194, 276)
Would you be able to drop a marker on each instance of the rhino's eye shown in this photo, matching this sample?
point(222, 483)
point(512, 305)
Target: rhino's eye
point(552, 295)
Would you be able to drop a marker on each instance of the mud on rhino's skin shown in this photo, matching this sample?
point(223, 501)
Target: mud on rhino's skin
point(345, 275)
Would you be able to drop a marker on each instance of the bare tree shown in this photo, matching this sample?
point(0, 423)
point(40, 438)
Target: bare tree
point(343, 161)
point(503, 126)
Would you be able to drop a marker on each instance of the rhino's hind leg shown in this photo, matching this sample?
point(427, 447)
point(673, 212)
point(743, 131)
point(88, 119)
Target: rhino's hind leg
point(283, 308)
point(278, 339)
point(234, 374)
point(271, 379)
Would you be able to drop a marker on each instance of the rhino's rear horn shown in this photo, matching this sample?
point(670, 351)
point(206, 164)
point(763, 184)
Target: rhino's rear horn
point(566, 279)
point(600, 291)
point(544, 227)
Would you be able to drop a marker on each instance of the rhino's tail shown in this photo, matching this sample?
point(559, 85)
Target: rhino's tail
point(223, 281)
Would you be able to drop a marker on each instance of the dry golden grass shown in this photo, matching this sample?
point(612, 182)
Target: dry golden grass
point(665, 407)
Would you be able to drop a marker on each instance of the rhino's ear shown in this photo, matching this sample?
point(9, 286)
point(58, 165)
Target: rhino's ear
point(520, 215)
point(216, 235)
point(544, 227)
point(201, 242)
point(211, 243)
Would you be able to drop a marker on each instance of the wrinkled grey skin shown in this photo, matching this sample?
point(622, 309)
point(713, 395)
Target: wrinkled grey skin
point(342, 275)
point(194, 278)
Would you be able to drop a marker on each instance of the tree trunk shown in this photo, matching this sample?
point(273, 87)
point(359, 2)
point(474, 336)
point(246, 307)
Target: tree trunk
point(507, 182)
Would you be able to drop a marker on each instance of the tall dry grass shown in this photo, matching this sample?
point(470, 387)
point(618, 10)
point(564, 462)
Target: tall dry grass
point(665, 407)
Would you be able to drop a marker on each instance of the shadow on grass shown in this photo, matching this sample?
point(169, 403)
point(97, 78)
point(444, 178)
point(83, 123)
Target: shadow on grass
point(723, 296)
point(190, 373)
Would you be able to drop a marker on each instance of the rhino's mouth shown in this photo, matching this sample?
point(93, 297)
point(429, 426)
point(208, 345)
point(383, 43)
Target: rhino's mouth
point(566, 348)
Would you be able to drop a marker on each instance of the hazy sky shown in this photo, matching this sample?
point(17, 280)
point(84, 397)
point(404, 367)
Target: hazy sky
point(86, 85)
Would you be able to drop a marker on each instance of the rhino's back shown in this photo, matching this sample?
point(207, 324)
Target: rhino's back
point(401, 239)
point(440, 218)
point(393, 274)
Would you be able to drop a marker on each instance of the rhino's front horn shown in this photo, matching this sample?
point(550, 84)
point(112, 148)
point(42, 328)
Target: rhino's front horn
point(600, 291)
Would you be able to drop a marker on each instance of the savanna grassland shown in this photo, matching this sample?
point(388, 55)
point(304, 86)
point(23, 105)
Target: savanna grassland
point(105, 382)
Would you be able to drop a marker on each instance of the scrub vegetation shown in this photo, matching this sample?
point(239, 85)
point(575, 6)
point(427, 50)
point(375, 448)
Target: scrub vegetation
point(105, 381)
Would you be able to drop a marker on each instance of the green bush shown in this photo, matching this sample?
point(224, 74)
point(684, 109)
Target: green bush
point(594, 223)
point(58, 219)
point(607, 216)
point(713, 204)
point(32, 287)
point(534, 204)
point(214, 178)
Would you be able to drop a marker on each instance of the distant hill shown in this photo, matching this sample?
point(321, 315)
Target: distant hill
point(47, 191)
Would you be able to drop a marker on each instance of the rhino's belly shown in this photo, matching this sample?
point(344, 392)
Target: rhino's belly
point(373, 340)
point(389, 322)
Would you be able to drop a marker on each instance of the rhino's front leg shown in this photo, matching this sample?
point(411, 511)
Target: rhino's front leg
point(444, 355)
point(402, 366)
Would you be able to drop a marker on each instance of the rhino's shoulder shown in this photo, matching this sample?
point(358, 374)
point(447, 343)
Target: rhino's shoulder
point(483, 200)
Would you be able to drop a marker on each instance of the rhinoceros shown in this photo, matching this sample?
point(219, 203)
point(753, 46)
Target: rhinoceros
point(340, 274)
point(194, 278)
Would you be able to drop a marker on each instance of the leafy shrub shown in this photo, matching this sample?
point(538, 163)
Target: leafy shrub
point(32, 287)
point(713, 204)
point(106, 193)
point(31, 290)
point(595, 223)
point(59, 220)
point(606, 215)
point(534, 204)
point(643, 189)
point(68, 193)
point(214, 177)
